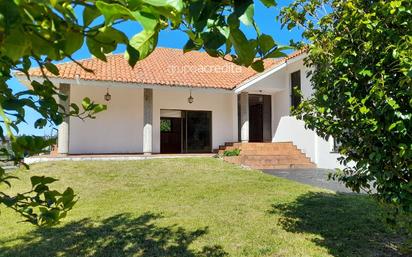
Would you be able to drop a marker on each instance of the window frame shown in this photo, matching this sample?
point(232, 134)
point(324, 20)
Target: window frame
point(295, 99)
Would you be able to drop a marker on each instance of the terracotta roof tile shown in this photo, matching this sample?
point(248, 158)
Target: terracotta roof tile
point(165, 66)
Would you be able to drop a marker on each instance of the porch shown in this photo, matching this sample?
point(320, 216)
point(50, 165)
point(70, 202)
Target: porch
point(163, 120)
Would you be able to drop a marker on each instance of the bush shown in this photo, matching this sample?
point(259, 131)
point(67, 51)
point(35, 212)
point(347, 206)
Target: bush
point(234, 152)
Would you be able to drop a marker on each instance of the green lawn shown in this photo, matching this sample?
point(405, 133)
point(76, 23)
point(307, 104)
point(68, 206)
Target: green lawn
point(195, 207)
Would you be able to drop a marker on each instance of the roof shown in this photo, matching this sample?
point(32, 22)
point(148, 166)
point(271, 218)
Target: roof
point(165, 66)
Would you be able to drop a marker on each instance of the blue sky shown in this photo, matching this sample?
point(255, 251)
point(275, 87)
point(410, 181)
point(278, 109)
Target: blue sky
point(265, 18)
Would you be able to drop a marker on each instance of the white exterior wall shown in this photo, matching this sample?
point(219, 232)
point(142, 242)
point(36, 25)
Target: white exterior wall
point(222, 105)
point(119, 129)
point(289, 129)
point(316, 148)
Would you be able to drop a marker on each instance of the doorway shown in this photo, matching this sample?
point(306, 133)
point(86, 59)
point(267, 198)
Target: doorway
point(185, 131)
point(198, 131)
point(260, 116)
point(170, 135)
point(256, 118)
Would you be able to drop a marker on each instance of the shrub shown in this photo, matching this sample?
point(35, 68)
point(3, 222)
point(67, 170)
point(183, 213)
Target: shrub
point(234, 152)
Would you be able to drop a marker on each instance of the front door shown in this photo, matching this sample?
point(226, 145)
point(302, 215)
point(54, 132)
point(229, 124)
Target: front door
point(170, 135)
point(256, 118)
point(260, 129)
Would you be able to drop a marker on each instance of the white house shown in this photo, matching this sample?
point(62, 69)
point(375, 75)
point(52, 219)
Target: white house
point(185, 103)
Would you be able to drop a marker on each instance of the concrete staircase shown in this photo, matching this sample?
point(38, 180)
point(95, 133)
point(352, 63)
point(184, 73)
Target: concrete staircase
point(268, 155)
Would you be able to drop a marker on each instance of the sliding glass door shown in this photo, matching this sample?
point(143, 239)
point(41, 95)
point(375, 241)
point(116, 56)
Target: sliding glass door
point(185, 131)
point(198, 131)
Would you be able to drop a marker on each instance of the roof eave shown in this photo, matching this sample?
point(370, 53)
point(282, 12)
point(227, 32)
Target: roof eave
point(260, 76)
point(118, 84)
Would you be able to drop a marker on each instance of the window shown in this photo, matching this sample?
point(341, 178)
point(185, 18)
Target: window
point(165, 125)
point(295, 88)
point(336, 146)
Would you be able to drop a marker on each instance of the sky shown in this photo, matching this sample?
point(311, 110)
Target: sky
point(265, 18)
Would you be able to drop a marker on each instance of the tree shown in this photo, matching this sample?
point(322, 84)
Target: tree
point(44, 31)
point(361, 55)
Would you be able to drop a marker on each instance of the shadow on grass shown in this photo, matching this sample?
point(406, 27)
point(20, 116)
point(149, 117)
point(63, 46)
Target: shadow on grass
point(345, 224)
point(117, 236)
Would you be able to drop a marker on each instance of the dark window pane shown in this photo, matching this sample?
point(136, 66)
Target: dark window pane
point(336, 146)
point(296, 87)
point(199, 131)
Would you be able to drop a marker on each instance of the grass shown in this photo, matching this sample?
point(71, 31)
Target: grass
point(195, 207)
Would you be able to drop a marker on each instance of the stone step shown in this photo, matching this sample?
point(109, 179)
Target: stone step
point(283, 155)
point(285, 166)
point(269, 158)
point(263, 152)
point(259, 148)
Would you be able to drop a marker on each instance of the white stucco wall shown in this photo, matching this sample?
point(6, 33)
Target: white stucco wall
point(316, 148)
point(119, 129)
point(222, 105)
point(116, 130)
point(288, 129)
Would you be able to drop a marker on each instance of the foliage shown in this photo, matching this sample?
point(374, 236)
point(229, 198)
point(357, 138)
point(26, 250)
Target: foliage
point(234, 152)
point(165, 126)
point(40, 205)
point(361, 55)
point(42, 32)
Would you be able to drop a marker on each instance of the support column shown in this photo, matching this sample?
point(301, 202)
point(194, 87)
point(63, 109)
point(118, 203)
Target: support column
point(64, 127)
point(244, 117)
point(148, 121)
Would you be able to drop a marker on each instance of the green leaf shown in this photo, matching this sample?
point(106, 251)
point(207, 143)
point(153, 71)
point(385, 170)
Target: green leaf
point(190, 46)
point(394, 125)
point(213, 40)
point(176, 4)
point(131, 55)
point(266, 43)
point(112, 12)
point(16, 45)
point(95, 48)
point(40, 123)
point(147, 20)
point(258, 66)
point(392, 103)
point(105, 41)
point(86, 103)
point(244, 48)
point(366, 72)
point(90, 13)
point(144, 42)
point(247, 13)
point(224, 30)
point(52, 68)
point(268, 3)
point(233, 21)
point(73, 42)
point(41, 180)
point(276, 53)
point(99, 108)
point(53, 2)
point(364, 110)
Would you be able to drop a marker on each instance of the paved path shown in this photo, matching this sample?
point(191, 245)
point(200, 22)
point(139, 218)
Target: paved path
point(110, 157)
point(314, 177)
